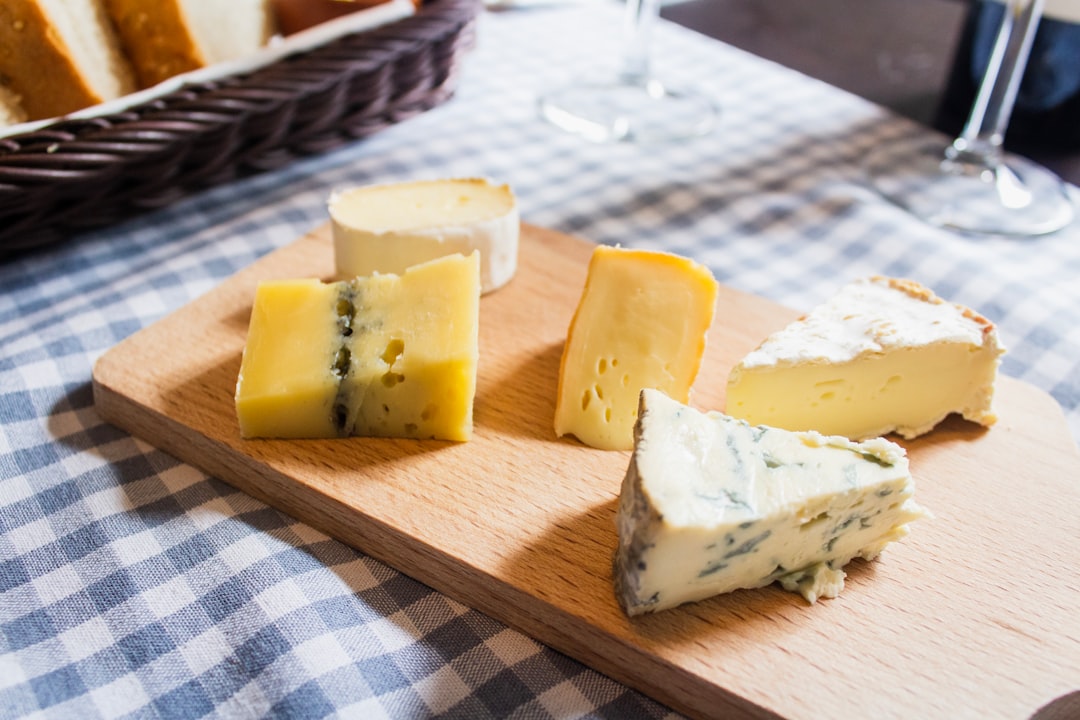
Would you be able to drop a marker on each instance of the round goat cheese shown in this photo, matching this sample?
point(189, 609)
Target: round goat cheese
point(388, 228)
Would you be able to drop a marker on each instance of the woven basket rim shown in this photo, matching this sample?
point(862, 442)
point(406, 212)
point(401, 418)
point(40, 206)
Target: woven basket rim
point(82, 172)
point(370, 18)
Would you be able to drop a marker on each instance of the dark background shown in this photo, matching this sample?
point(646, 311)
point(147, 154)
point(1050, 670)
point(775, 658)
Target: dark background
point(898, 53)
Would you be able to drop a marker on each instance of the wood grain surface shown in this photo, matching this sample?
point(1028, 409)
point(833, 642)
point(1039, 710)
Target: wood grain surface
point(975, 614)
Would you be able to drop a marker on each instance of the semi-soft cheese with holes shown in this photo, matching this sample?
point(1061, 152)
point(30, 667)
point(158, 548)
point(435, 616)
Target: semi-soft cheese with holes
point(641, 322)
point(387, 355)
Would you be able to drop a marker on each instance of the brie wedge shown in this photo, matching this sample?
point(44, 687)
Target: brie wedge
point(883, 355)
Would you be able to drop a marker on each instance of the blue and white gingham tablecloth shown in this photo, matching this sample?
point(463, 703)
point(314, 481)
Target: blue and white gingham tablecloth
point(132, 585)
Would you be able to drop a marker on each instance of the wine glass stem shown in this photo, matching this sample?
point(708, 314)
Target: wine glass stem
point(637, 37)
point(984, 133)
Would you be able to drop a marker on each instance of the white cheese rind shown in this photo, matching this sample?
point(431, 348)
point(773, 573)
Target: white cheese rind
point(711, 504)
point(882, 355)
point(388, 228)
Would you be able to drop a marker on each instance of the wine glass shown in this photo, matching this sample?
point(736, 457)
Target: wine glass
point(634, 106)
point(971, 184)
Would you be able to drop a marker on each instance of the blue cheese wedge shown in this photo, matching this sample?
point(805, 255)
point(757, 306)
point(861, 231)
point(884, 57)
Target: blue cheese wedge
point(883, 355)
point(711, 504)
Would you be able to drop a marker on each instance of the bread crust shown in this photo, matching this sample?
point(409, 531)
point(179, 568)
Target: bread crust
point(156, 36)
point(36, 66)
point(292, 16)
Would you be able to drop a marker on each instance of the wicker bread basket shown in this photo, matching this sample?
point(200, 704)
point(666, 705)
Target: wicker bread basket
point(77, 174)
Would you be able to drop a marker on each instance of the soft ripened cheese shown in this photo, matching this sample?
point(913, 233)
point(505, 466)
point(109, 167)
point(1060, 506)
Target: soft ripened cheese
point(883, 355)
point(711, 504)
point(387, 228)
point(386, 355)
point(641, 322)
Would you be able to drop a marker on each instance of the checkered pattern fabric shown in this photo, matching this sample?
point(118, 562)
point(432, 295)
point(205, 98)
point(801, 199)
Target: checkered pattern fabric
point(132, 585)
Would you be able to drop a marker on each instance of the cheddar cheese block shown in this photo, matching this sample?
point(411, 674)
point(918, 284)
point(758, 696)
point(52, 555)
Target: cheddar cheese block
point(711, 504)
point(641, 322)
point(883, 355)
point(387, 228)
point(386, 355)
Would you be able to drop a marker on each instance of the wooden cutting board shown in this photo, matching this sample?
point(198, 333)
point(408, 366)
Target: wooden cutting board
point(976, 614)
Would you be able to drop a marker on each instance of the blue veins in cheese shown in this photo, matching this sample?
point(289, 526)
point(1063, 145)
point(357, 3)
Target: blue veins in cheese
point(712, 504)
point(882, 355)
point(384, 356)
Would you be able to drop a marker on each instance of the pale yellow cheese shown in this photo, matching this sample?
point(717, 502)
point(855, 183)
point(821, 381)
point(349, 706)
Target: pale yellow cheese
point(415, 350)
point(387, 228)
point(287, 386)
point(882, 355)
point(386, 355)
point(641, 323)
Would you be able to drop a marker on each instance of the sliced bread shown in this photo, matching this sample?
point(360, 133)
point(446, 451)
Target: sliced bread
point(11, 109)
point(61, 55)
point(296, 15)
point(164, 38)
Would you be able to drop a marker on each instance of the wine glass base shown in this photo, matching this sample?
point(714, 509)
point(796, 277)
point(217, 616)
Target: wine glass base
point(635, 112)
point(1012, 197)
